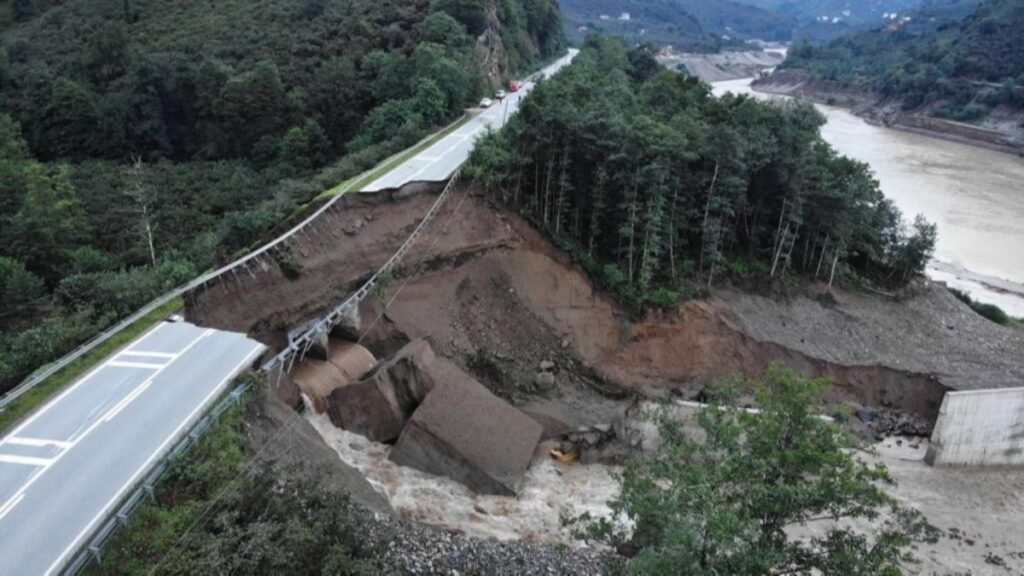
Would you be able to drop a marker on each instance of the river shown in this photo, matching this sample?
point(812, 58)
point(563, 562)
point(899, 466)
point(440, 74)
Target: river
point(975, 195)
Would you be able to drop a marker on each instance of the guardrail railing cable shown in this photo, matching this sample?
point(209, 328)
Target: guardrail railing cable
point(40, 375)
point(299, 346)
point(286, 359)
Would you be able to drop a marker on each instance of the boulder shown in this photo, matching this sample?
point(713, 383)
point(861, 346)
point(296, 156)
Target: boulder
point(544, 380)
point(464, 432)
point(368, 407)
point(378, 405)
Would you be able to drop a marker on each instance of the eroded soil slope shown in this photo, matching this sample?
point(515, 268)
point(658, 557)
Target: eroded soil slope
point(494, 296)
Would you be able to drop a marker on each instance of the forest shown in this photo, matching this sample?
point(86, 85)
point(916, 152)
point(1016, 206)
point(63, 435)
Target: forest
point(144, 141)
point(955, 69)
point(687, 25)
point(656, 186)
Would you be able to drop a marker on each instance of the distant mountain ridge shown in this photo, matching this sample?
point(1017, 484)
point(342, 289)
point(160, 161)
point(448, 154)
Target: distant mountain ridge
point(929, 65)
point(697, 25)
point(824, 20)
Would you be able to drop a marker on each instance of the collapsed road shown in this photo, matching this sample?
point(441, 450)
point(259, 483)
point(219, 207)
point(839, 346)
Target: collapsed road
point(70, 464)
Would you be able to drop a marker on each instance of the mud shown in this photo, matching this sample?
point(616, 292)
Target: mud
point(493, 295)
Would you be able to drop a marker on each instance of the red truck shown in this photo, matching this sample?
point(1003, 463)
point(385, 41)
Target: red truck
point(513, 86)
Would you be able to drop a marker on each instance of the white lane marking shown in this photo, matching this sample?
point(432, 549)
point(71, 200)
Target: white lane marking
point(76, 439)
point(156, 354)
point(461, 141)
point(149, 462)
point(37, 442)
point(72, 388)
point(126, 401)
point(10, 505)
point(146, 365)
point(25, 460)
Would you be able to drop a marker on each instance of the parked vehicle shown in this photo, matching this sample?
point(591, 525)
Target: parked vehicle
point(513, 86)
point(500, 95)
point(486, 103)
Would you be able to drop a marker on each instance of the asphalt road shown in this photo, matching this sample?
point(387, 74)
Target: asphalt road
point(439, 161)
point(64, 469)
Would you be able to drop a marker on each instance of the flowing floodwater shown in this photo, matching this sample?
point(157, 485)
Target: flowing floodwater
point(550, 491)
point(975, 195)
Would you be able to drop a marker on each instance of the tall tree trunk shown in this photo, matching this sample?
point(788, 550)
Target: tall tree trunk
point(832, 275)
point(547, 189)
point(672, 233)
point(778, 251)
point(707, 212)
point(821, 259)
point(789, 254)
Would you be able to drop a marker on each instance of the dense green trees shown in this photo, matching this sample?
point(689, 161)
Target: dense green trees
point(653, 183)
point(958, 71)
point(725, 496)
point(142, 142)
point(88, 83)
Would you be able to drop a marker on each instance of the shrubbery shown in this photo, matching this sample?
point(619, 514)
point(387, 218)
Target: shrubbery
point(723, 497)
point(142, 142)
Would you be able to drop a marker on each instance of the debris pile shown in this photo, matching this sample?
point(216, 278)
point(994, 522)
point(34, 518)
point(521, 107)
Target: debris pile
point(445, 422)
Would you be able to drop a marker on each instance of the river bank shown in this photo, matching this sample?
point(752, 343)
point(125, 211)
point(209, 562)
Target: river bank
point(1001, 132)
point(974, 195)
point(493, 296)
point(724, 65)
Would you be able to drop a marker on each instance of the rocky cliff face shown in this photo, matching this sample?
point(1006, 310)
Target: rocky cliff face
point(490, 51)
point(515, 36)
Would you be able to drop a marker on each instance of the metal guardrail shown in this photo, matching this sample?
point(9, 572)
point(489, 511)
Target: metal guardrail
point(40, 375)
point(298, 346)
point(83, 349)
point(105, 335)
point(145, 489)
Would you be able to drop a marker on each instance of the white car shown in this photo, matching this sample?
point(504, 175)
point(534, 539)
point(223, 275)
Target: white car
point(500, 95)
point(486, 103)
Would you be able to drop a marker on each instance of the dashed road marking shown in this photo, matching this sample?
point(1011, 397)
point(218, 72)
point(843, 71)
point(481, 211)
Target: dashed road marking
point(37, 442)
point(143, 353)
point(25, 460)
point(145, 365)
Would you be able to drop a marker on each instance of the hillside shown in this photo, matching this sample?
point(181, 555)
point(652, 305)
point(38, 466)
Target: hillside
point(971, 71)
point(688, 25)
point(146, 140)
point(823, 20)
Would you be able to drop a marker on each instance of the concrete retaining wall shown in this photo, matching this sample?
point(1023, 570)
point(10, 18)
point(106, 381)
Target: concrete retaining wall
point(979, 428)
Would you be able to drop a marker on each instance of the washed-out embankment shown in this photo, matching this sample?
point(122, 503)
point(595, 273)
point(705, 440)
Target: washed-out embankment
point(1001, 131)
point(495, 297)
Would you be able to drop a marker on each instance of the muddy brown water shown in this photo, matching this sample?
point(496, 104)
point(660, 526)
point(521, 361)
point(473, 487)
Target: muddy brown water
point(975, 195)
